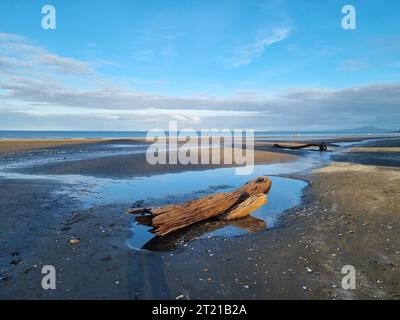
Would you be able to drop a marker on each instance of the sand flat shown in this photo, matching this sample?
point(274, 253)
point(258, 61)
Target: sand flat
point(376, 149)
point(16, 145)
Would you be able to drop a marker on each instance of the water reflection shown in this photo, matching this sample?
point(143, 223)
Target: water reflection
point(201, 230)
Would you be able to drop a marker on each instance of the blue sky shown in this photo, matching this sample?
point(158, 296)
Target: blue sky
point(134, 65)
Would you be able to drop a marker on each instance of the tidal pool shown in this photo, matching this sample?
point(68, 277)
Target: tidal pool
point(180, 187)
point(285, 193)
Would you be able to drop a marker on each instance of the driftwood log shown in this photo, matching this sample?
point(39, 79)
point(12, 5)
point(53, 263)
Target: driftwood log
point(226, 206)
point(322, 146)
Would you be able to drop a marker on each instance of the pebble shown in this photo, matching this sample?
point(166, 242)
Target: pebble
point(74, 241)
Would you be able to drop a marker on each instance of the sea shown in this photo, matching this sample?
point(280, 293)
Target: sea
point(142, 134)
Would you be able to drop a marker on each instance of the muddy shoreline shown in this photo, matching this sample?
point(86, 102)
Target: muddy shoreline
point(300, 258)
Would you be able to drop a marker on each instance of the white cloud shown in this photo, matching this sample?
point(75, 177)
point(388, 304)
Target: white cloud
point(19, 54)
point(185, 119)
point(248, 52)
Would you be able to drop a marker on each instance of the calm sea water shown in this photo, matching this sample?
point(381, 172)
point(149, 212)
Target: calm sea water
point(142, 134)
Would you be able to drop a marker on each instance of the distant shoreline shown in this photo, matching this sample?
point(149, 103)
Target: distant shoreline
point(22, 134)
point(9, 145)
point(257, 135)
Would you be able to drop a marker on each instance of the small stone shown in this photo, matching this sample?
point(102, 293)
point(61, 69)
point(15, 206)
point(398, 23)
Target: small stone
point(74, 241)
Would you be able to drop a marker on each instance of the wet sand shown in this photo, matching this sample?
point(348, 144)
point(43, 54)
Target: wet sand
point(12, 145)
point(135, 165)
point(349, 215)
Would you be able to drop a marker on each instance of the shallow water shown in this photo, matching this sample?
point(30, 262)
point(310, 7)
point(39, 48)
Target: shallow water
point(17, 160)
point(180, 187)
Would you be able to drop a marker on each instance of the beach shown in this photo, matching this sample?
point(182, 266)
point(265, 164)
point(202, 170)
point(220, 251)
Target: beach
point(345, 212)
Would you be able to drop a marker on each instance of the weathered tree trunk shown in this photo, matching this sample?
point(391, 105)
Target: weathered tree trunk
point(322, 146)
point(226, 206)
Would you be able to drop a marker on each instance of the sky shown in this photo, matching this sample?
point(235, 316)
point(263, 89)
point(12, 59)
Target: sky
point(272, 65)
